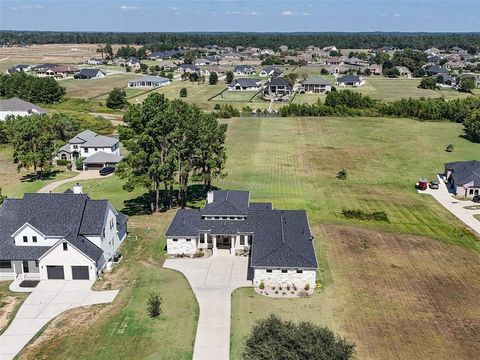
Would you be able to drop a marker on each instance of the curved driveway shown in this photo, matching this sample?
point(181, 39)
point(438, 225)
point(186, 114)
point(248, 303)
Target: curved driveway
point(82, 175)
point(213, 280)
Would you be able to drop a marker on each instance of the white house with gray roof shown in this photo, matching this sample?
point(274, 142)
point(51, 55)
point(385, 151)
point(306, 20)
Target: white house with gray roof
point(316, 85)
point(463, 177)
point(58, 236)
point(280, 242)
point(149, 82)
point(245, 84)
point(18, 107)
point(98, 150)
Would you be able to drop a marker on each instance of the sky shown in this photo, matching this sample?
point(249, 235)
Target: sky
point(242, 15)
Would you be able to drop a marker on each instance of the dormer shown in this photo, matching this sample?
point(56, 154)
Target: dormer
point(28, 235)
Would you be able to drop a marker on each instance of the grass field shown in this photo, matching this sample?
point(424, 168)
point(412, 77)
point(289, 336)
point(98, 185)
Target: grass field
point(90, 89)
point(403, 289)
point(9, 304)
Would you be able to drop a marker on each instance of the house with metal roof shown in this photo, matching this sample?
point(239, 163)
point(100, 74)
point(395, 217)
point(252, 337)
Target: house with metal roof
point(18, 107)
point(58, 236)
point(463, 177)
point(149, 82)
point(245, 84)
point(97, 150)
point(279, 242)
point(316, 85)
point(89, 74)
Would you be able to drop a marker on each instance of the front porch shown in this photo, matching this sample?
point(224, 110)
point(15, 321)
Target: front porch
point(224, 244)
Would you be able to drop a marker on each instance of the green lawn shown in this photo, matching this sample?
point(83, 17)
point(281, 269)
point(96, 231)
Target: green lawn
point(89, 89)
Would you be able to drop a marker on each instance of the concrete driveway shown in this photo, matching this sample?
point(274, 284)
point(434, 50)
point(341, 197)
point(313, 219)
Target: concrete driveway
point(82, 175)
point(456, 207)
point(49, 299)
point(213, 281)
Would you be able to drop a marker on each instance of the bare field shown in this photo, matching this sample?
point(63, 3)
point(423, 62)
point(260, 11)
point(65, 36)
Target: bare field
point(396, 296)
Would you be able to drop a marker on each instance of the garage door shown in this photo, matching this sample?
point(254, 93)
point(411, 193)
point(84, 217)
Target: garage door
point(80, 273)
point(94, 166)
point(55, 272)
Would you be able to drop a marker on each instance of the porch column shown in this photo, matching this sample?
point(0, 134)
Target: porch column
point(214, 244)
point(232, 249)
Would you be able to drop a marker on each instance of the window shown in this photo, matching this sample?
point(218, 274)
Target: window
point(242, 239)
point(63, 157)
point(188, 240)
point(36, 263)
point(284, 271)
point(75, 146)
point(65, 246)
point(174, 240)
point(299, 271)
point(96, 149)
point(269, 270)
point(5, 264)
point(25, 239)
point(34, 239)
point(86, 150)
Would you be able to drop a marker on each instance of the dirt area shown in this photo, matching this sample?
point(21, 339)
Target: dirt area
point(401, 296)
point(54, 53)
point(9, 305)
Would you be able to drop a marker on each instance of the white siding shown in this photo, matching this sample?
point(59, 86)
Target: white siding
point(30, 232)
point(181, 246)
point(67, 259)
point(277, 277)
point(110, 242)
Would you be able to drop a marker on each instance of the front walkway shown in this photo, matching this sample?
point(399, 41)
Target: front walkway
point(213, 281)
point(82, 175)
point(456, 207)
point(49, 299)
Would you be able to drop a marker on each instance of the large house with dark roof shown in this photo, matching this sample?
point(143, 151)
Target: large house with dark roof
point(316, 85)
point(97, 150)
point(58, 236)
point(280, 241)
point(245, 84)
point(87, 74)
point(463, 177)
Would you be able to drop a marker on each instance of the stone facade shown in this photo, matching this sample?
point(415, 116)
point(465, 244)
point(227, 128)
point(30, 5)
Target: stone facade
point(180, 246)
point(284, 277)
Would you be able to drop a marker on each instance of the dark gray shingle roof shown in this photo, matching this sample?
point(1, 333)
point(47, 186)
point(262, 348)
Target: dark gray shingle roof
point(465, 172)
point(16, 104)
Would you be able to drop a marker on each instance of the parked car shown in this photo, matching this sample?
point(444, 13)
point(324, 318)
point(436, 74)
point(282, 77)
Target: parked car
point(106, 170)
point(422, 184)
point(434, 185)
point(476, 199)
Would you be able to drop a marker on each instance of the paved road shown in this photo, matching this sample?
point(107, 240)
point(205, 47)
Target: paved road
point(213, 281)
point(49, 299)
point(82, 175)
point(456, 207)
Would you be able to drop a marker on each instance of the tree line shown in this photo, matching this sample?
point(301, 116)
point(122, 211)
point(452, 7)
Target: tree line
point(468, 41)
point(31, 88)
point(170, 144)
point(350, 103)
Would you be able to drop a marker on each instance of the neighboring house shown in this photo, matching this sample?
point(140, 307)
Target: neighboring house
point(446, 81)
point(245, 84)
point(404, 71)
point(333, 61)
point(280, 241)
point(277, 87)
point(436, 70)
point(41, 68)
point(58, 236)
point(316, 85)
point(119, 61)
point(149, 81)
point(18, 107)
point(98, 150)
point(375, 69)
point(59, 72)
point(19, 68)
point(271, 71)
point(168, 65)
point(164, 55)
point(134, 63)
point(244, 70)
point(350, 80)
point(188, 68)
point(90, 74)
point(463, 177)
point(94, 61)
point(204, 61)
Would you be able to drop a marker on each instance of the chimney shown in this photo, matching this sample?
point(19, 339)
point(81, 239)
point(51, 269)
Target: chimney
point(209, 197)
point(77, 189)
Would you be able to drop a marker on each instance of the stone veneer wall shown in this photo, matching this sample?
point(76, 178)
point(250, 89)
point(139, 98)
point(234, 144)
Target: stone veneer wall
point(181, 246)
point(276, 277)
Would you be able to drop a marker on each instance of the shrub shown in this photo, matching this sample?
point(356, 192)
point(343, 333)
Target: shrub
point(342, 175)
point(78, 163)
point(213, 78)
point(61, 162)
point(428, 83)
point(227, 111)
point(449, 148)
point(183, 92)
point(247, 109)
point(261, 286)
point(117, 99)
point(306, 287)
point(154, 307)
point(217, 107)
point(69, 166)
point(273, 338)
point(363, 215)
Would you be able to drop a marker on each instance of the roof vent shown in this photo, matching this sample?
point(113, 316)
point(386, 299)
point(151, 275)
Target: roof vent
point(77, 189)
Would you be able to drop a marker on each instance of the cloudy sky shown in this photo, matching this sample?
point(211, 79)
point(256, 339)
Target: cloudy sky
point(241, 15)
